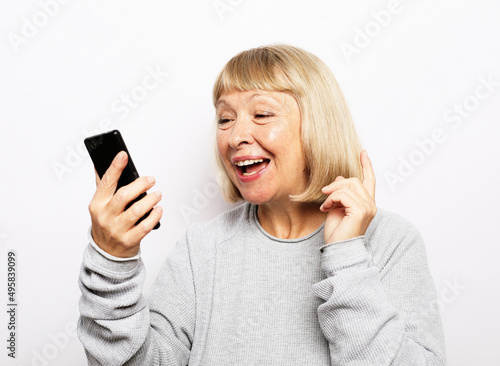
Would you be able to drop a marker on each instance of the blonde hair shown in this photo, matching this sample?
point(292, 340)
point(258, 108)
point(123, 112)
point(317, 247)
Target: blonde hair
point(329, 140)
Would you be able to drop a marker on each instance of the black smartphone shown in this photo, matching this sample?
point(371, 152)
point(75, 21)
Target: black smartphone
point(103, 149)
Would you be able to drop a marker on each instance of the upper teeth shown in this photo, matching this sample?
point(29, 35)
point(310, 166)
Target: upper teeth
point(248, 162)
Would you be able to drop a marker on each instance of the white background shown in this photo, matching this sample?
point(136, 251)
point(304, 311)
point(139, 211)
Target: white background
point(64, 68)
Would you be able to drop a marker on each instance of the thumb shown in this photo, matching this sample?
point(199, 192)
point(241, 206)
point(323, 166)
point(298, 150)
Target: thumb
point(97, 179)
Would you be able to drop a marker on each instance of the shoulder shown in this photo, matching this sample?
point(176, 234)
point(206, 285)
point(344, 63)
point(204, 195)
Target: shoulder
point(389, 222)
point(391, 235)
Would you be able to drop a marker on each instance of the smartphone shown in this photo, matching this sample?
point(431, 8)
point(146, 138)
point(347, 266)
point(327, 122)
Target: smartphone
point(103, 149)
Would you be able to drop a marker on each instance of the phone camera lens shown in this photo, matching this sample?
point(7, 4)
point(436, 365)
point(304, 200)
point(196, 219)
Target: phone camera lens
point(93, 145)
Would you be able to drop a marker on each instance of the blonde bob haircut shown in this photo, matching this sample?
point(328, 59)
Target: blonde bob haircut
point(329, 140)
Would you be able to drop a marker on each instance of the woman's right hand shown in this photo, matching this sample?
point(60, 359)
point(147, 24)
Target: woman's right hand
point(114, 229)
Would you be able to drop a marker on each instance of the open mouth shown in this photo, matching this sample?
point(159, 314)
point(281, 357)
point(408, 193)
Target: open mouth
point(251, 167)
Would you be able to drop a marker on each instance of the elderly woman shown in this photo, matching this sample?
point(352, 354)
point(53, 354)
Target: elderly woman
point(308, 271)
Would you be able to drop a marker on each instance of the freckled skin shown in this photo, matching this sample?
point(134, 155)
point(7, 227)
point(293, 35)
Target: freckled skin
point(262, 123)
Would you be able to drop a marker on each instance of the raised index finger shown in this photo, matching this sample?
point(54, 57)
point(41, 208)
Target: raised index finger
point(368, 173)
point(106, 187)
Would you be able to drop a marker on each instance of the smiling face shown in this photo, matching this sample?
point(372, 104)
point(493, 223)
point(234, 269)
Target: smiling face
point(258, 139)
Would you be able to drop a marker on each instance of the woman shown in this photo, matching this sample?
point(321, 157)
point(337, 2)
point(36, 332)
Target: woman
point(307, 272)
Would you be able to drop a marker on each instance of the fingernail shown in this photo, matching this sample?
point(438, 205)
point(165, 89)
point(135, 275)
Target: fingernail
point(121, 156)
point(151, 179)
point(158, 193)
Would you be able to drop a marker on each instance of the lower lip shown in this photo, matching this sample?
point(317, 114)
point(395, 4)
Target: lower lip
point(250, 178)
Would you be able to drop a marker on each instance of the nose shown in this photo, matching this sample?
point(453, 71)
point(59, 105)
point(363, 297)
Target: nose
point(241, 132)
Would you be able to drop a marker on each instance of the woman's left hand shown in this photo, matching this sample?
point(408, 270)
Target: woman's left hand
point(350, 204)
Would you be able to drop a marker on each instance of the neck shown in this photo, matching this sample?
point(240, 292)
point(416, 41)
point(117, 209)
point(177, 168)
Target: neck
point(291, 220)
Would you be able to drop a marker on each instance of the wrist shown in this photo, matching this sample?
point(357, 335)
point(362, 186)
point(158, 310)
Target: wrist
point(117, 256)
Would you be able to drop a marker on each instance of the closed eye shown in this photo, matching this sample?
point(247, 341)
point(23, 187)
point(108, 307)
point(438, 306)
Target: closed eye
point(263, 115)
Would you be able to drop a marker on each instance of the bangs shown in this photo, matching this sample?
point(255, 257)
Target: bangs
point(250, 70)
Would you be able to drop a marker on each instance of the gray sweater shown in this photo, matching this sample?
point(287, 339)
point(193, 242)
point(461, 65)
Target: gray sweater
point(231, 294)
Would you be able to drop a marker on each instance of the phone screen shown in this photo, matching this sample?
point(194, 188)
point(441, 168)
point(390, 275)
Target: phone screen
point(103, 149)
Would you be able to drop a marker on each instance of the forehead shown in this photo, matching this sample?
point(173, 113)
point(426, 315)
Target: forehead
point(237, 98)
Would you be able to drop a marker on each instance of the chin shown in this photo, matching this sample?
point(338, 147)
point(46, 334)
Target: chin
point(256, 198)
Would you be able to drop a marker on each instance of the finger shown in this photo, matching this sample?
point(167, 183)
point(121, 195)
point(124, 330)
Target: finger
point(339, 198)
point(139, 209)
point(137, 233)
point(128, 193)
point(368, 173)
point(354, 189)
point(330, 187)
point(352, 183)
point(107, 185)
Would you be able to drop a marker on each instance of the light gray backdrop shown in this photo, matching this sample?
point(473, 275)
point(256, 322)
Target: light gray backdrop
point(422, 79)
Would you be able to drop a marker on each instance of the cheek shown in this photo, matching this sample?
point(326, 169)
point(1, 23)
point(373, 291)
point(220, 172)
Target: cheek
point(284, 142)
point(221, 143)
point(277, 137)
point(222, 149)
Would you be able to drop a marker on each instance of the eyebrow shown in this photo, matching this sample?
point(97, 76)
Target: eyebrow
point(219, 102)
point(222, 101)
point(262, 95)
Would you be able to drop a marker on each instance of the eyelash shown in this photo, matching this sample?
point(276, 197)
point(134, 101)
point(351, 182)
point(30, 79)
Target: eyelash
point(225, 120)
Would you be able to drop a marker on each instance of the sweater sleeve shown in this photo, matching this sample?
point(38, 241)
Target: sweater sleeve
point(380, 304)
point(117, 326)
